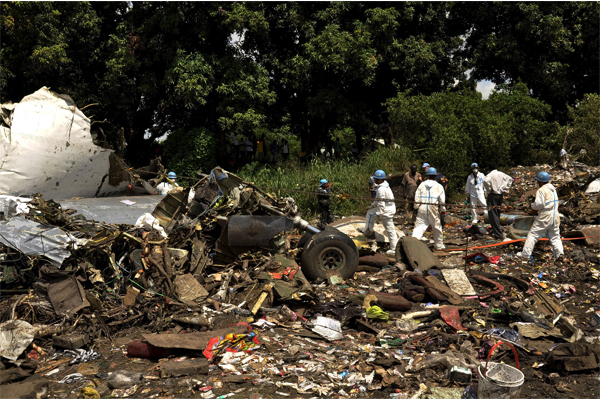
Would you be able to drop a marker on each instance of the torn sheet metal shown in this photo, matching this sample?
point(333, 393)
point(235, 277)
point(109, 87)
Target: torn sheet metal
point(256, 230)
point(67, 295)
point(189, 289)
point(35, 239)
point(49, 150)
point(112, 210)
point(189, 341)
point(15, 337)
point(418, 254)
point(11, 205)
point(170, 207)
point(457, 281)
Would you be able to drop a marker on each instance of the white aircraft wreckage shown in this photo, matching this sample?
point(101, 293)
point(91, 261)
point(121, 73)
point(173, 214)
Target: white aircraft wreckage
point(47, 147)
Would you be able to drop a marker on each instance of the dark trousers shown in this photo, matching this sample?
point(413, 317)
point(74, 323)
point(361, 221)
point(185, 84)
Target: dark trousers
point(325, 211)
point(494, 201)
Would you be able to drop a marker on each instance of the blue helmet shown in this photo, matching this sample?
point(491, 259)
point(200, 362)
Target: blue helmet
point(543, 177)
point(474, 165)
point(431, 171)
point(379, 174)
point(323, 181)
point(425, 165)
point(172, 175)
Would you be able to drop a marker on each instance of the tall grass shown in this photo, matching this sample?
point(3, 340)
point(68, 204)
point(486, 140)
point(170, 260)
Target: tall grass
point(351, 177)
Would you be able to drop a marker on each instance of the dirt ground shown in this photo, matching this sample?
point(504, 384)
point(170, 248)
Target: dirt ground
point(277, 376)
point(376, 357)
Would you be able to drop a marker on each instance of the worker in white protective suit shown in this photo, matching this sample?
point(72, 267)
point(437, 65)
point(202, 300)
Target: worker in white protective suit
point(430, 200)
point(547, 220)
point(384, 208)
point(474, 189)
point(165, 187)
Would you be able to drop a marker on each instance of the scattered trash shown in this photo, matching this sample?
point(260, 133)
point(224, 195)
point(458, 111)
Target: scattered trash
point(212, 287)
point(123, 379)
point(329, 328)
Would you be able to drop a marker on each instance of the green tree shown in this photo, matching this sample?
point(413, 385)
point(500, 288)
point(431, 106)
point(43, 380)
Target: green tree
point(583, 131)
point(550, 46)
point(53, 44)
point(334, 64)
point(190, 151)
point(454, 129)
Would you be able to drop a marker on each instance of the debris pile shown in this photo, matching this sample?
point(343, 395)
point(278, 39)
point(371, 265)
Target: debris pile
point(223, 290)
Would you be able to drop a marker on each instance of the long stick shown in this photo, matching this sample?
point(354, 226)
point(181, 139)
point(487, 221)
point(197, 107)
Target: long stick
point(467, 254)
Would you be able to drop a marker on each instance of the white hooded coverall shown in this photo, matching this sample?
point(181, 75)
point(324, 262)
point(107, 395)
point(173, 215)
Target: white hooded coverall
point(384, 210)
point(474, 190)
point(547, 220)
point(431, 194)
point(164, 187)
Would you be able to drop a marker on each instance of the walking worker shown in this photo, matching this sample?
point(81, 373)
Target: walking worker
point(165, 187)
point(384, 208)
point(324, 201)
point(410, 182)
point(474, 190)
point(430, 200)
point(495, 184)
point(547, 219)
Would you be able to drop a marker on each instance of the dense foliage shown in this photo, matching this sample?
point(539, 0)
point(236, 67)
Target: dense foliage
point(349, 179)
point(313, 71)
point(454, 129)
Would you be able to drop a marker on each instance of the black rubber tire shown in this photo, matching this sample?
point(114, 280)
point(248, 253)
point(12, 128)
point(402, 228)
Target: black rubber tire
point(327, 251)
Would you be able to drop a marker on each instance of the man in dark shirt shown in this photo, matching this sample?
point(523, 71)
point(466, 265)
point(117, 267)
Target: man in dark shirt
point(410, 182)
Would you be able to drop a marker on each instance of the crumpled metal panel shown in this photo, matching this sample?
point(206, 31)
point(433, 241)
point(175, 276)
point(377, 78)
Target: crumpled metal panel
point(255, 230)
point(49, 150)
point(418, 254)
point(171, 206)
point(15, 336)
point(112, 210)
point(35, 239)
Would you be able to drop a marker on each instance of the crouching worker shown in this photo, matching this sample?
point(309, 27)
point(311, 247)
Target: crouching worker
point(547, 220)
point(384, 208)
point(324, 202)
point(165, 187)
point(429, 200)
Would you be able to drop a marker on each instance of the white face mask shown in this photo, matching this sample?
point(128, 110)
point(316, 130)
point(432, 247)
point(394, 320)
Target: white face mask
point(475, 171)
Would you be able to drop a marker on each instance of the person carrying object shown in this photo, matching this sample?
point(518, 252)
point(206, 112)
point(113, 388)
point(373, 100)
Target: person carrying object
point(430, 200)
point(474, 190)
point(495, 184)
point(547, 219)
point(384, 208)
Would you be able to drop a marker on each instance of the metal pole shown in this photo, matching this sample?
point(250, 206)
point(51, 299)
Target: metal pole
point(467, 253)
